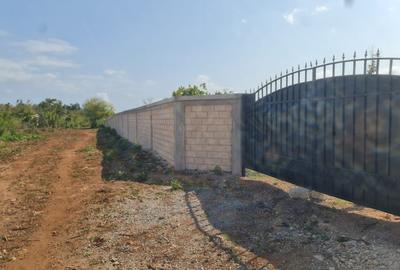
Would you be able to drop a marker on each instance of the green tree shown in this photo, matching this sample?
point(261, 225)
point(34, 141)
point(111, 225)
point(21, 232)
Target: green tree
point(97, 111)
point(191, 90)
point(26, 113)
point(51, 113)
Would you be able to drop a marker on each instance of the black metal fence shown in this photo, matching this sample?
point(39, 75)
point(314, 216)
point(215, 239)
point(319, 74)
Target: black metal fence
point(333, 127)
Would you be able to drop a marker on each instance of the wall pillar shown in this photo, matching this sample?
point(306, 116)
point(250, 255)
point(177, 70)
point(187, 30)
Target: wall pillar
point(237, 137)
point(179, 155)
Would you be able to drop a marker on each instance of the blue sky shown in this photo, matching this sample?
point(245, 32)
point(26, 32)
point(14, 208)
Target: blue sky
point(130, 51)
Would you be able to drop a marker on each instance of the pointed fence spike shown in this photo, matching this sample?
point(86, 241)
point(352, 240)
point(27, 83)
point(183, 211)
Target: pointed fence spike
point(324, 60)
point(366, 53)
point(355, 55)
point(310, 64)
point(292, 69)
point(333, 59)
point(343, 57)
point(298, 68)
point(316, 62)
point(378, 53)
point(305, 65)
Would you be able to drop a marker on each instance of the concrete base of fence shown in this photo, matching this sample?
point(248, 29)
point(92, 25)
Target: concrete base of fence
point(190, 133)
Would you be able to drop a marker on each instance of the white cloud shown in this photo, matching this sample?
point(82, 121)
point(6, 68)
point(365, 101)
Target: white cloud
point(244, 21)
point(103, 95)
point(290, 17)
point(33, 76)
point(150, 83)
point(113, 72)
point(12, 71)
point(203, 78)
point(44, 61)
point(48, 46)
point(211, 85)
point(320, 9)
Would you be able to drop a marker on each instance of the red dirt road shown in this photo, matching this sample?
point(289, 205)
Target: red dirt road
point(57, 212)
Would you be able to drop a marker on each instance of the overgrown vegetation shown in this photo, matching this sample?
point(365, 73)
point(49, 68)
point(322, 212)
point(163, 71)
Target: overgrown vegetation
point(24, 120)
point(200, 90)
point(123, 160)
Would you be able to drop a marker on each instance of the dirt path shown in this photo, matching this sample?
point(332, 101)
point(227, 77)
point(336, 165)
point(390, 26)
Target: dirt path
point(19, 186)
point(41, 199)
point(64, 197)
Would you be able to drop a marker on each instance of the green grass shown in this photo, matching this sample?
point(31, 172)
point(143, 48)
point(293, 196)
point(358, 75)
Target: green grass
point(251, 173)
point(89, 152)
point(20, 137)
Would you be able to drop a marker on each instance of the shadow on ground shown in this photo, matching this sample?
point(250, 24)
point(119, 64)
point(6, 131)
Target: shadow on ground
point(256, 223)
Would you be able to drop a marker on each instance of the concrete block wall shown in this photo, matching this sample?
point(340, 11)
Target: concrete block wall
point(208, 136)
point(132, 122)
point(163, 126)
point(144, 129)
point(188, 132)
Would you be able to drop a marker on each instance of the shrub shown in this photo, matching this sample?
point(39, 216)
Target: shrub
point(217, 170)
point(143, 176)
point(97, 111)
point(176, 184)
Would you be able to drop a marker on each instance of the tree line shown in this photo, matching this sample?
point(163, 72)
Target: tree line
point(23, 120)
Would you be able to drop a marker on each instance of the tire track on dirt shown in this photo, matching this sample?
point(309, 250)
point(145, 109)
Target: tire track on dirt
point(57, 214)
point(13, 185)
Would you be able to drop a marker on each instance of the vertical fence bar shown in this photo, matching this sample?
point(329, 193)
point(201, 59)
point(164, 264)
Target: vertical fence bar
point(292, 76)
point(377, 62)
point(298, 74)
point(314, 75)
point(343, 66)
point(365, 63)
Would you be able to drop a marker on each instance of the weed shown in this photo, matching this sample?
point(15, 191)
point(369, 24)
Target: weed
point(217, 170)
point(143, 176)
point(176, 184)
point(88, 149)
point(340, 203)
point(120, 175)
point(97, 241)
point(136, 148)
point(251, 173)
point(170, 170)
point(134, 194)
point(226, 237)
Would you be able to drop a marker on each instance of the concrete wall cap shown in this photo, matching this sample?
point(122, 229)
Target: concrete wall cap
point(181, 99)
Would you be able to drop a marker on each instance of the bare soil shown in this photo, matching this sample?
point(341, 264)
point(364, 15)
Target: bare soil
point(72, 202)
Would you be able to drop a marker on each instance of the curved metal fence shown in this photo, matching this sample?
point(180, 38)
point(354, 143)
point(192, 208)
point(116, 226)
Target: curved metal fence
point(373, 65)
point(336, 132)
